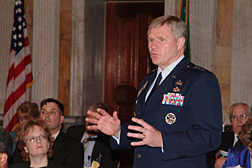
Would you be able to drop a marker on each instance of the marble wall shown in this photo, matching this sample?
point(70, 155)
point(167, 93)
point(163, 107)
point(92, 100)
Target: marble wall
point(224, 52)
point(65, 51)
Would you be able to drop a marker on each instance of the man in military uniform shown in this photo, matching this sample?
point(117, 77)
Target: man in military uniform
point(178, 109)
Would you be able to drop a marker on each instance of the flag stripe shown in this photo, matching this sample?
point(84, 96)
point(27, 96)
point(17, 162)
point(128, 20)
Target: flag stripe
point(14, 96)
point(20, 72)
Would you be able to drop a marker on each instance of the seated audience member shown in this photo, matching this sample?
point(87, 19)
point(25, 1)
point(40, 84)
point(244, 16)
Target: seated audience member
point(239, 113)
point(35, 145)
point(241, 156)
point(5, 148)
point(96, 145)
point(66, 150)
point(25, 111)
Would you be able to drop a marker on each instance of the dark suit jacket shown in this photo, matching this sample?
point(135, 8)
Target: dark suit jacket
point(66, 151)
point(227, 141)
point(51, 164)
point(197, 123)
point(109, 158)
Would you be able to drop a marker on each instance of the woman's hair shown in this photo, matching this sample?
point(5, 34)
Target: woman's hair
point(245, 134)
point(28, 110)
point(5, 143)
point(26, 128)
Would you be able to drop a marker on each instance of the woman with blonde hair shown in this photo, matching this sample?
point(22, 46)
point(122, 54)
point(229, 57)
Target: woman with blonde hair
point(35, 143)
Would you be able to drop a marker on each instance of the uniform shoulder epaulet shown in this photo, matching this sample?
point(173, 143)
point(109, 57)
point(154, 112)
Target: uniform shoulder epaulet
point(195, 67)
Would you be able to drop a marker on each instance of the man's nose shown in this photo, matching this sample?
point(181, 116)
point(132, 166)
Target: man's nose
point(239, 119)
point(154, 45)
point(47, 114)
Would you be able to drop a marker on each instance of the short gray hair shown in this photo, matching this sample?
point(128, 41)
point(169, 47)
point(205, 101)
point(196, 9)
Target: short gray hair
point(178, 26)
point(238, 104)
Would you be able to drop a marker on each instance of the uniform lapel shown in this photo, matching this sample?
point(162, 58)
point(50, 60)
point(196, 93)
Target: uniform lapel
point(167, 85)
point(142, 95)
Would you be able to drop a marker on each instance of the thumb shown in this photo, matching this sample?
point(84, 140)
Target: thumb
point(115, 116)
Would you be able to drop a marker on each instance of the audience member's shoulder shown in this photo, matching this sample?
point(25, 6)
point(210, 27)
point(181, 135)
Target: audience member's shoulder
point(227, 133)
point(20, 165)
point(69, 139)
point(74, 127)
point(238, 149)
point(52, 164)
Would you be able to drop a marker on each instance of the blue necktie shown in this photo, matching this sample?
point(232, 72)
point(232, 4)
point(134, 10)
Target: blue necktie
point(155, 86)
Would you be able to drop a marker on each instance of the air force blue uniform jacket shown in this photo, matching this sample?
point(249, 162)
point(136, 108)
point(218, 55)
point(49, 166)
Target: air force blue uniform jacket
point(186, 108)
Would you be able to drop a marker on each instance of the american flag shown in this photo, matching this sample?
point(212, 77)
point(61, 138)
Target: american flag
point(20, 77)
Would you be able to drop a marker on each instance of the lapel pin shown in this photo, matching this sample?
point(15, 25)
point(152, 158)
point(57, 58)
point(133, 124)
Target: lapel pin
point(179, 83)
point(176, 89)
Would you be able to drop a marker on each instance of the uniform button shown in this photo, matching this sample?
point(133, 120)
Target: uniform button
point(139, 156)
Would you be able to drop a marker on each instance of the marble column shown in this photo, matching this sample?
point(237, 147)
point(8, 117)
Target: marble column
point(45, 53)
point(77, 59)
point(241, 73)
point(171, 7)
point(203, 32)
point(87, 64)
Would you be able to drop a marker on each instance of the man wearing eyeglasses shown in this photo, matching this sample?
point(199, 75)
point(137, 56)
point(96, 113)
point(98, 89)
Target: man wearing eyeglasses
point(239, 114)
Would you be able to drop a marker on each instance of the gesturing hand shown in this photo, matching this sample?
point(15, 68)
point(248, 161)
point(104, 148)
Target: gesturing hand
point(149, 135)
point(103, 121)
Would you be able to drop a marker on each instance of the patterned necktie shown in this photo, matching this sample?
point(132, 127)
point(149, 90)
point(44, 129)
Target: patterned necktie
point(155, 86)
point(85, 142)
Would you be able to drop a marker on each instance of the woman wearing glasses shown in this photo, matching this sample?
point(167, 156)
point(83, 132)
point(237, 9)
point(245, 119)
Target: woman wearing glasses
point(36, 146)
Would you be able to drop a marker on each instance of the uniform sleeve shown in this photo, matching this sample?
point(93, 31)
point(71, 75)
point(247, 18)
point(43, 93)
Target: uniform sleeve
point(124, 139)
point(205, 118)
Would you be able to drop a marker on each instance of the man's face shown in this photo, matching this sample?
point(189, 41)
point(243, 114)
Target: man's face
point(163, 48)
point(50, 112)
point(240, 116)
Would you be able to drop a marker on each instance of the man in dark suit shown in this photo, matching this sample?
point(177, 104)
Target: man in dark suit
point(97, 144)
point(239, 114)
point(181, 120)
point(66, 150)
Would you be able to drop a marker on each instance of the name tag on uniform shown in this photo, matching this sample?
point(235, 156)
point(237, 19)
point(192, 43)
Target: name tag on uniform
point(175, 99)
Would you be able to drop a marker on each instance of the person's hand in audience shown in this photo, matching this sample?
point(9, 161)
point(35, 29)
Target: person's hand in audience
point(219, 162)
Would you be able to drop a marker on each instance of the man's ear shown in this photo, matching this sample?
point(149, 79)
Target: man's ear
point(62, 119)
point(3, 159)
point(180, 43)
